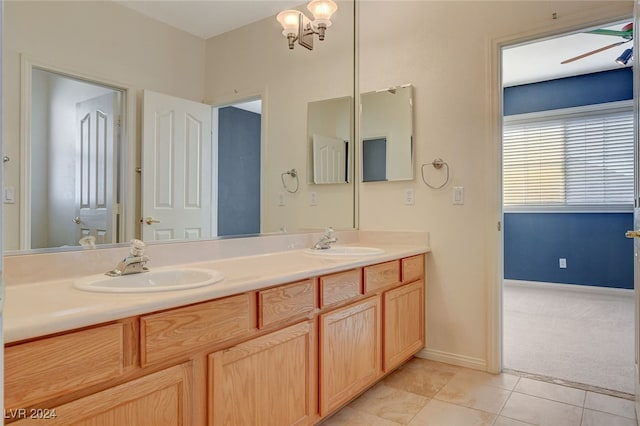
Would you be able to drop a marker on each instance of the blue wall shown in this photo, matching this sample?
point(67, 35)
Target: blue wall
point(238, 172)
point(597, 252)
point(588, 89)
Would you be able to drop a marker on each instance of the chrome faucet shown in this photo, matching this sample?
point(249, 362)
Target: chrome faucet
point(133, 263)
point(326, 240)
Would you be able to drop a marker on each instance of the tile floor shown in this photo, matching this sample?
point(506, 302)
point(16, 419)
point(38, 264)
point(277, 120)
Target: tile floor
point(428, 393)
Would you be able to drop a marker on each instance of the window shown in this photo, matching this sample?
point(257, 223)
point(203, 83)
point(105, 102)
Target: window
point(576, 159)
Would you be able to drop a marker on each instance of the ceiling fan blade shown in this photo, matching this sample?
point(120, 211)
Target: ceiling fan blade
point(584, 55)
point(625, 34)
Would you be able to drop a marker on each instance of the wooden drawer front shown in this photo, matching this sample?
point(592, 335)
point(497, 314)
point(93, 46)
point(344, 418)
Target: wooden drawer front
point(412, 268)
point(181, 330)
point(50, 367)
point(340, 287)
point(381, 275)
point(284, 302)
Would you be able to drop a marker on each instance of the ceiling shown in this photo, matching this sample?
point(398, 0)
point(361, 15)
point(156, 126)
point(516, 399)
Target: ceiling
point(540, 60)
point(522, 64)
point(206, 19)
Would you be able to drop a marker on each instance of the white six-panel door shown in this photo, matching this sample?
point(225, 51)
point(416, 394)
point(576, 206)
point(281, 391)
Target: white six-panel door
point(96, 121)
point(176, 168)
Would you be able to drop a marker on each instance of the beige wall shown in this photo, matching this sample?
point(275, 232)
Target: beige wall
point(446, 49)
point(102, 40)
point(255, 60)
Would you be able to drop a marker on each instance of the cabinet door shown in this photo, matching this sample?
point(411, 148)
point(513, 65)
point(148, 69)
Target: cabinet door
point(350, 357)
point(266, 381)
point(403, 323)
point(159, 399)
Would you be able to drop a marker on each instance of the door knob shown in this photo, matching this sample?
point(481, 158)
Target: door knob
point(149, 220)
point(76, 220)
point(632, 234)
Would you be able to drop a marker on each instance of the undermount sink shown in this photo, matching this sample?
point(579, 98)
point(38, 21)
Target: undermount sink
point(346, 251)
point(156, 280)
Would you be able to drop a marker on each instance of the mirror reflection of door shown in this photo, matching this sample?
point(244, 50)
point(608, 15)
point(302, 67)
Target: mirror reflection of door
point(96, 121)
point(176, 169)
point(56, 217)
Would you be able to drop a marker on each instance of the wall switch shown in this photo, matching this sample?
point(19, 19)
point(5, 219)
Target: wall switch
point(9, 195)
point(563, 263)
point(409, 197)
point(458, 195)
point(281, 198)
point(313, 198)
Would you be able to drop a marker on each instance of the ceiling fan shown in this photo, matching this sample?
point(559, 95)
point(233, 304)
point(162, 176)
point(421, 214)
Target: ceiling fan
point(625, 32)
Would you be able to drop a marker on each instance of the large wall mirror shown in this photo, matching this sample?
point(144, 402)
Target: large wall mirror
point(386, 132)
point(96, 92)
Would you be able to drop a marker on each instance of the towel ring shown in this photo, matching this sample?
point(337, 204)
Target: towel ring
point(437, 164)
point(294, 174)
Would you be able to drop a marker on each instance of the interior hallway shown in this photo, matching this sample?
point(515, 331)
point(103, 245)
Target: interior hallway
point(427, 393)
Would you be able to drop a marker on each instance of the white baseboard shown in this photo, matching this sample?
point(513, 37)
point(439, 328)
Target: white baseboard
point(454, 359)
point(611, 291)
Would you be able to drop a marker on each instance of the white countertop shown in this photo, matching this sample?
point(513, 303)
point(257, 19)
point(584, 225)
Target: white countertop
point(46, 307)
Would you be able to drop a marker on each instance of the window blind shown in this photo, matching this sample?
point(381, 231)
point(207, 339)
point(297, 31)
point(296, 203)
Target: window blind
point(576, 161)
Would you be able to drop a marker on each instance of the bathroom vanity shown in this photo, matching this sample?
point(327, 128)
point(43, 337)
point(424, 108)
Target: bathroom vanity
point(286, 353)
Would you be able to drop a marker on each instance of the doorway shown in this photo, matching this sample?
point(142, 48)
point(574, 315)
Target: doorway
point(72, 188)
point(567, 155)
point(239, 130)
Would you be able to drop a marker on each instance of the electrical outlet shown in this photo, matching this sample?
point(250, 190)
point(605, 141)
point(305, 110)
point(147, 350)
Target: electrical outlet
point(563, 263)
point(313, 198)
point(409, 197)
point(281, 198)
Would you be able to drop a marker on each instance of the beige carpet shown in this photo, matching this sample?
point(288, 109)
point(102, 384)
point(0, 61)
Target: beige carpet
point(570, 334)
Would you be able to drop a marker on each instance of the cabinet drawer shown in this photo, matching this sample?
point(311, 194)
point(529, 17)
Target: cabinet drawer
point(381, 275)
point(412, 268)
point(54, 366)
point(340, 287)
point(181, 330)
point(285, 302)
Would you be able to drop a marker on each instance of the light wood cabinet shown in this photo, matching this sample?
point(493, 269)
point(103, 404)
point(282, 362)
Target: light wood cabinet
point(403, 323)
point(287, 355)
point(159, 399)
point(266, 381)
point(350, 344)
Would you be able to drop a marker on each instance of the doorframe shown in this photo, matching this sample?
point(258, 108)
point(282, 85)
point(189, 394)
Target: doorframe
point(495, 270)
point(127, 171)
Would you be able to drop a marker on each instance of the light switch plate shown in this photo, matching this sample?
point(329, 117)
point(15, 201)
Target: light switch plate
point(458, 195)
point(409, 197)
point(9, 195)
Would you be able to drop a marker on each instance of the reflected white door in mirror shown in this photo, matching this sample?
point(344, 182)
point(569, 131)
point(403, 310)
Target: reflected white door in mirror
point(176, 169)
point(70, 161)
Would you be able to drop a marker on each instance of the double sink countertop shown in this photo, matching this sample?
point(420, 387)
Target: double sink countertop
point(43, 307)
